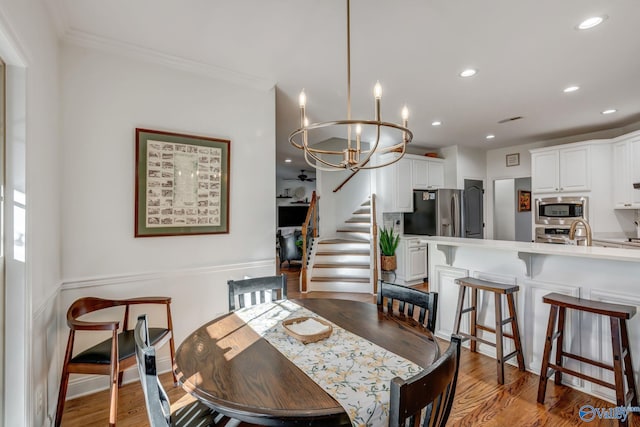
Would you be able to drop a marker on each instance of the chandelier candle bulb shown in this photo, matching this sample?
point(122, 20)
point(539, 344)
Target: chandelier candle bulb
point(358, 133)
point(377, 92)
point(405, 121)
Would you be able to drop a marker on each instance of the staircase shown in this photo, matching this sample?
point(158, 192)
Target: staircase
point(343, 263)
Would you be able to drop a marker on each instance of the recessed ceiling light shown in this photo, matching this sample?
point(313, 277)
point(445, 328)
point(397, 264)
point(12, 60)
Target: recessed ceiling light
point(571, 89)
point(287, 160)
point(468, 72)
point(490, 136)
point(609, 111)
point(436, 123)
point(591, 22)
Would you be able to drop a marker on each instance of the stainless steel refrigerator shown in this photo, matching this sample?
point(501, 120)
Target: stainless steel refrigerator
point(436, 213)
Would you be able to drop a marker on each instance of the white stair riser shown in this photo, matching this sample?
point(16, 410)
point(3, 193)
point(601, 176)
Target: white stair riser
point(337, 247)
point(336, 258)
point(340, 287)
point(353, 235)
point(340, 272)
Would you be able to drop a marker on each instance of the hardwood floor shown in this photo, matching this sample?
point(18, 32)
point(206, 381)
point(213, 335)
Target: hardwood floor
point(479, 400)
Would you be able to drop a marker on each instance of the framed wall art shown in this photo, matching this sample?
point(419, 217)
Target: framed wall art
point(182, 184)
point(513, 159)
point(524, 201)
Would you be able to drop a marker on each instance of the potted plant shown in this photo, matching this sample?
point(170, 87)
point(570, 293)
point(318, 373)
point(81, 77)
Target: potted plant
point(389, 241)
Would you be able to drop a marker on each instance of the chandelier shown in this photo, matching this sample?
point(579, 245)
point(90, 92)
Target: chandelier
point(353, 156)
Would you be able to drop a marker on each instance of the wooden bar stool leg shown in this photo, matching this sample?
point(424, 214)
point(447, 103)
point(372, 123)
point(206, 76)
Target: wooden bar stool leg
point(516, 331)
point(546, 355)
point(499, 343)
point(456, 325)
point(560, 343)
point(628, 365)
point(616, 344)
point(474, 317)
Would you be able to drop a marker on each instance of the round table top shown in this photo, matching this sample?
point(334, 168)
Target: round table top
point(229, 367)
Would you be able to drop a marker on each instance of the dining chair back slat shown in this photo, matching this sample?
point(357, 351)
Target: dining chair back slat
point(193, 414)
point(426, 398)
point(408, 300)
point(256, 290)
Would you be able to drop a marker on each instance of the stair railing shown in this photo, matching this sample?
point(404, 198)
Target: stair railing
point(374, 243)
point(309, 233)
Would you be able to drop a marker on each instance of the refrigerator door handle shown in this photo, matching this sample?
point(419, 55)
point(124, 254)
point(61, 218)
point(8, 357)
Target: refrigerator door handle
point(453, 215)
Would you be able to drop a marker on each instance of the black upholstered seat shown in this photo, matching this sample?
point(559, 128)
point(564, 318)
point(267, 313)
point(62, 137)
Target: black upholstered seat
point(101, 352)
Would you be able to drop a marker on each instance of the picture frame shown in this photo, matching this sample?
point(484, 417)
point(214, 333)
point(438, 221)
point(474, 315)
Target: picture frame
point(524, 201)
point(513, 159)
point(181, 184)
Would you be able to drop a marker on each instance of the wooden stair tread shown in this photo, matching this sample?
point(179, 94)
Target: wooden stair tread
point(343, 265)
point(357, 221)
point(341, 279)
point(353, 230)
point(334, 241)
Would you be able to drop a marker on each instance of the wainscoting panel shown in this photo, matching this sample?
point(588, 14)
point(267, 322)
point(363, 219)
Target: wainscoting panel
point(198, 295)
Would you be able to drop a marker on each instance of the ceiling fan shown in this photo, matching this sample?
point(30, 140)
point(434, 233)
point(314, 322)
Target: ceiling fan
point(302, 177)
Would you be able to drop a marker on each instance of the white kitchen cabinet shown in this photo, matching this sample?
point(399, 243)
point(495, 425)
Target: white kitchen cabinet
point(427, 173)
point(412, 261)
point(557, 170)
point(626, 172)
point(395, 183)
point(398, 180)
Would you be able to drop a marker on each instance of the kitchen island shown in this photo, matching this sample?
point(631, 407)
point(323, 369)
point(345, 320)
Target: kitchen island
point(597, 273)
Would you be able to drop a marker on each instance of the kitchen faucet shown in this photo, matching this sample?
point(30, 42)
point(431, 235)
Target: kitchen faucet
point(587, 227)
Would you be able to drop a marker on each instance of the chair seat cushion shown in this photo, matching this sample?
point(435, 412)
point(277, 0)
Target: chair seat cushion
point(101, 353)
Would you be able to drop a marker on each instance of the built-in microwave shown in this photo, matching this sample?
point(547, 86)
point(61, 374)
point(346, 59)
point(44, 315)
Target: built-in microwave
point(561, 210)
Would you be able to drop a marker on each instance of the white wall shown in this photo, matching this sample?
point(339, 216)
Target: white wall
point(504, 216)
point(28, 44)
point(104, 98)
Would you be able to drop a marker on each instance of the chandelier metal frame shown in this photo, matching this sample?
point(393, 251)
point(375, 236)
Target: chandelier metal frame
point(353, 158)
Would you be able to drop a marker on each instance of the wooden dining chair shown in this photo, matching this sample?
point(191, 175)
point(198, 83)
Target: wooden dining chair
point(113, 355)
point(407, 300)
point(193, 414)
point(248, 292)
point(432, 390)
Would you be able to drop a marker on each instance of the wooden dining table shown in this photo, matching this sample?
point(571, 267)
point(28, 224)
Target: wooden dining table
point(230, 368)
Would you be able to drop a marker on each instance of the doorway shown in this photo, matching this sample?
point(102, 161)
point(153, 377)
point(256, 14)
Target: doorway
point(511, 222)
point(473, 209)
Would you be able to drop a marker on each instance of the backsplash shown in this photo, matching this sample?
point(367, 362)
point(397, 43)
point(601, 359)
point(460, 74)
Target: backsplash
point(394, 220)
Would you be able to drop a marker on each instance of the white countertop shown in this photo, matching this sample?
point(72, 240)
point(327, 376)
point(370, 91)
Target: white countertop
point(616, 254)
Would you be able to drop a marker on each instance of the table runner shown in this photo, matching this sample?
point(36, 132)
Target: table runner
point(353, 370)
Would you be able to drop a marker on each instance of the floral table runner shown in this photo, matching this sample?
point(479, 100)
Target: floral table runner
point(353, 370)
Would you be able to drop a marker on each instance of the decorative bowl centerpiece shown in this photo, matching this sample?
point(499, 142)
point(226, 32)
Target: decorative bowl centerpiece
point(307, 329)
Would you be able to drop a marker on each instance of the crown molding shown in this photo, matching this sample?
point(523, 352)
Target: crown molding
point(92, 41)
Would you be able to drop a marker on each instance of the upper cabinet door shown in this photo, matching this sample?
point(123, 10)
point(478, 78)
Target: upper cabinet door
point(634, 170)
point(544, 171)
point(620, 174)
point(626, 172)
point(436, 174)
point(575, 169)
point(427, 174)
point(420, 174)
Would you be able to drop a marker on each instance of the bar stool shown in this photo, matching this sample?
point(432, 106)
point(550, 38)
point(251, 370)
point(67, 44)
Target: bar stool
point(498, 289)
point(618, 316)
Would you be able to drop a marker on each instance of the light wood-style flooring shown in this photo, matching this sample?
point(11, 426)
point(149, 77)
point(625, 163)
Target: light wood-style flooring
point(479, 400)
